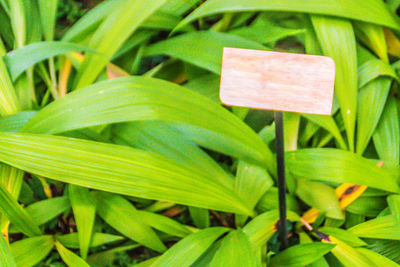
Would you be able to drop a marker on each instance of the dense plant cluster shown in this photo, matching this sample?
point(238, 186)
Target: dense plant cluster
point(115, 149)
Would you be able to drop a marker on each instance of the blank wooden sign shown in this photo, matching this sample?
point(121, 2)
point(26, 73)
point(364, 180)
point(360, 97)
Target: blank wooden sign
point(277, 81)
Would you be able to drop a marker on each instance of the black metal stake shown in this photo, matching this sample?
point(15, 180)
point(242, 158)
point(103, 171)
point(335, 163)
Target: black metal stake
point(280, 159)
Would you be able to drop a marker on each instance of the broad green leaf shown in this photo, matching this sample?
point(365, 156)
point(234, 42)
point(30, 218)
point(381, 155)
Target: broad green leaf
point(365, 10)
point(264, 31)
point(30, 251)
point(142, 98)
point(251, 182)
point(207, 85)
point(70, 258)
point(6, 257)
point(98, 239)
point(329, 124)
point(262, 227)
point(387, 134)
point(376, 258)
point(269, 201)
point(122, 216)
point(394, 205)
point(200, 217)
point(46, 210)
point(235, 251)
point(33, 23)
point(13, 123)
point(371, 101)
point(201, 48)
point(21, 59)
point(162, 223)
point(9, 103)
point(321, 262)
point(48, 12)
point(116, 169)
point(367, 206)
point(111, 34)
point(301, 255)
point(338, 166)
point(349, 256)
point(16, 214)
point(337, 41)
point(346, 236)
point(163, 138)
point(387, 248)
point(372, 69)
point(90, 21)
point(319, 196)
point(373, 37)
point(385, 227)
point(186, 251)
point(18, 22)
point(84, 209)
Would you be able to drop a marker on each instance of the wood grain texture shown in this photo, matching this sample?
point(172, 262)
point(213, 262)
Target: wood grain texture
point(277, 81)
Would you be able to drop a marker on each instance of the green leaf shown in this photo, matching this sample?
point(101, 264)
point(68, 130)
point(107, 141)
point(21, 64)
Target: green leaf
point(346, 236)
point(264, 31)
point(371, 101)
point(269, 201)
point(301, 255)
point(337, 41)
point(373, 37)
point(372, 69)
point(48, 12)
point(387, 134)
point(163, 138)
point(84, 209)
point(387, 248)
point(260, 229)
point(235, 251)
point(349, 256)
point(122, 216)
point(18, 22)
point(200, 217)
point(46, 210)
point(207, 85)
point(70, 258)
point(367, 206)
point(202, 48)
point(321, 197)
point(385, 227)
point(16, 214)
point(329, 124)
point(6, 258)
point(116, 169)
point(142, 98)
point(394, 205)
point(365, 10)
point(21, 59)
point(90, 21)
point(186, 251)
point(111, 34)
point(30, 251)
point(13, 123)
point(338, 166)
point(98, 239)
point(376, 258)
point(162, 223)
point(251, 183)
point(9, 103)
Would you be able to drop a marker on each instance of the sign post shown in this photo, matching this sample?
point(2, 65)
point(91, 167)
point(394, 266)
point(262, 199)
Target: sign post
point(280, 82)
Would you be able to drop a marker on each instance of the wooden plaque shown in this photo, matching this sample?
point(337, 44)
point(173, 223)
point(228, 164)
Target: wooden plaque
point(277, 81)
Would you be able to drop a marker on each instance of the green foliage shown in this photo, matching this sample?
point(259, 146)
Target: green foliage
point(152, 170)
